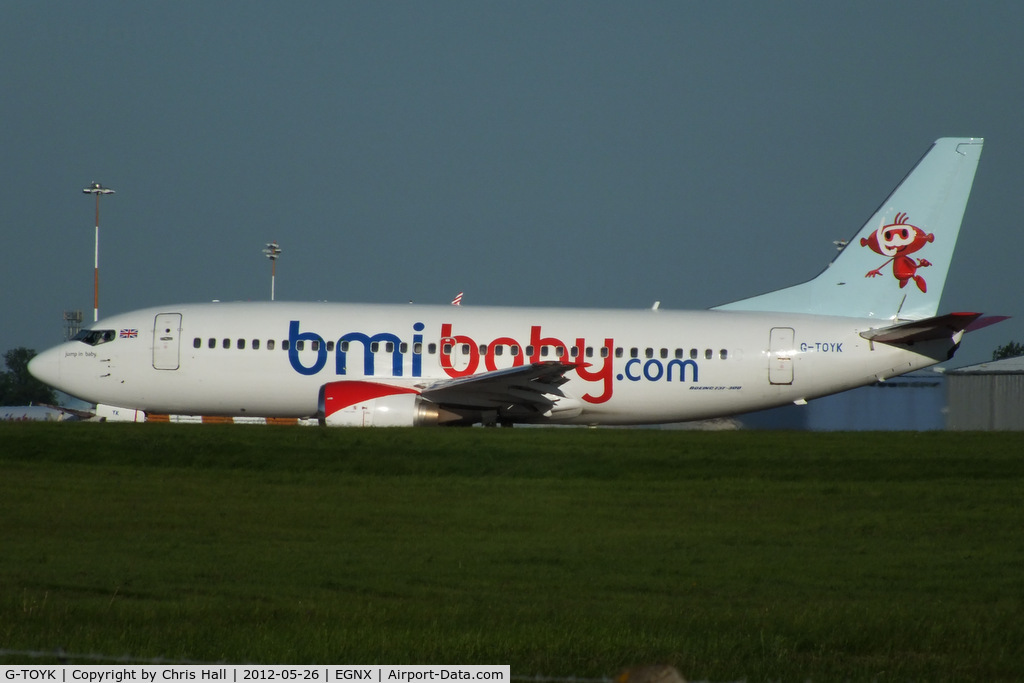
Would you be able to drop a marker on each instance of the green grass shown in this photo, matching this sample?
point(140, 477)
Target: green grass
point(751, 556)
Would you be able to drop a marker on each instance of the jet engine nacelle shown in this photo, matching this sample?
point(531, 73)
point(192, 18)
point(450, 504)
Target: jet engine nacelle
point(370, 404)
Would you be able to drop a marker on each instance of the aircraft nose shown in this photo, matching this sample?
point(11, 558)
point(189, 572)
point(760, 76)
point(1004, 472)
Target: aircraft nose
point(45, 367)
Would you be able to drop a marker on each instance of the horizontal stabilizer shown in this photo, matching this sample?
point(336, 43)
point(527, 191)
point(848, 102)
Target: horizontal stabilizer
point(940, 327)
point(982, 323)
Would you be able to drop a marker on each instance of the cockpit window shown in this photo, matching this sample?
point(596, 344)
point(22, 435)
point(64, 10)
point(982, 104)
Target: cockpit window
point(95, 337)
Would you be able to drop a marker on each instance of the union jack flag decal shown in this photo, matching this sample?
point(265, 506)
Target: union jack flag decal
point(129, 334)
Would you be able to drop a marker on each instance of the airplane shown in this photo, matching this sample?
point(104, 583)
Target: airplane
point(870, 315)
point(36, 413)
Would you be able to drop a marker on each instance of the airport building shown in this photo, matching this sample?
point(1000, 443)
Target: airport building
point(987, 396)
point(984, 397)
point(912, 402)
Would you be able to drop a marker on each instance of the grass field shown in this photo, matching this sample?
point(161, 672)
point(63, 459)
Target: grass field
point(749, 555)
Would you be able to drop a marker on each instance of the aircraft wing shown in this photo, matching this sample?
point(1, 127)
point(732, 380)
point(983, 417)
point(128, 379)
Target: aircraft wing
point(927, 329)
point(520, 391)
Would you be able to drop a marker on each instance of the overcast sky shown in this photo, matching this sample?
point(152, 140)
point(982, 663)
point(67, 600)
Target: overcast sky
point(528, 153)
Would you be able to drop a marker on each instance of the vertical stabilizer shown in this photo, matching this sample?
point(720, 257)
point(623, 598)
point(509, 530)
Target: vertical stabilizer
point(896, 265)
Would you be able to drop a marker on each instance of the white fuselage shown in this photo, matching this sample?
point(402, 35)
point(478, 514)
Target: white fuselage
point(635, 366)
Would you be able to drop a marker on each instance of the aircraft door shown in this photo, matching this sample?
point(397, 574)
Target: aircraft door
point(166, 341)
point(780, 355)
point(453, 355)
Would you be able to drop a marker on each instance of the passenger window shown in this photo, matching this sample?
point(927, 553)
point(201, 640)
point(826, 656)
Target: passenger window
point(723, 354)
point(431, 348)
point(634, 352)
point(284, 344)
point(211, 343)
point(693, 354)
point(374, 347)
point(330, 346)
point(709, 354)
point(649, 353)
point(618, 352)
point(197, 343)
point(515, 351)
point(241, 344)
point(679, 353)
point(255, 344)
point(270, 345)
point(498, 350)
point(226, 343)
point(314, 345)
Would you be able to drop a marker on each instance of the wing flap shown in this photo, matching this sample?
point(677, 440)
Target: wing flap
point(528, 389)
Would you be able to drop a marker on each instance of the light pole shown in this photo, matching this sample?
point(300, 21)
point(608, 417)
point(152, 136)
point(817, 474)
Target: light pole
point(272, 251)
point(96, 189)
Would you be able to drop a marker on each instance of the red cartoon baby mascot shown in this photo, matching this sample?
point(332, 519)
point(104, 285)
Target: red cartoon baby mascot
point(896, 241)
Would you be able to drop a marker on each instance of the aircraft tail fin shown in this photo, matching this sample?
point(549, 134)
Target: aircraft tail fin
point(895, 267)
